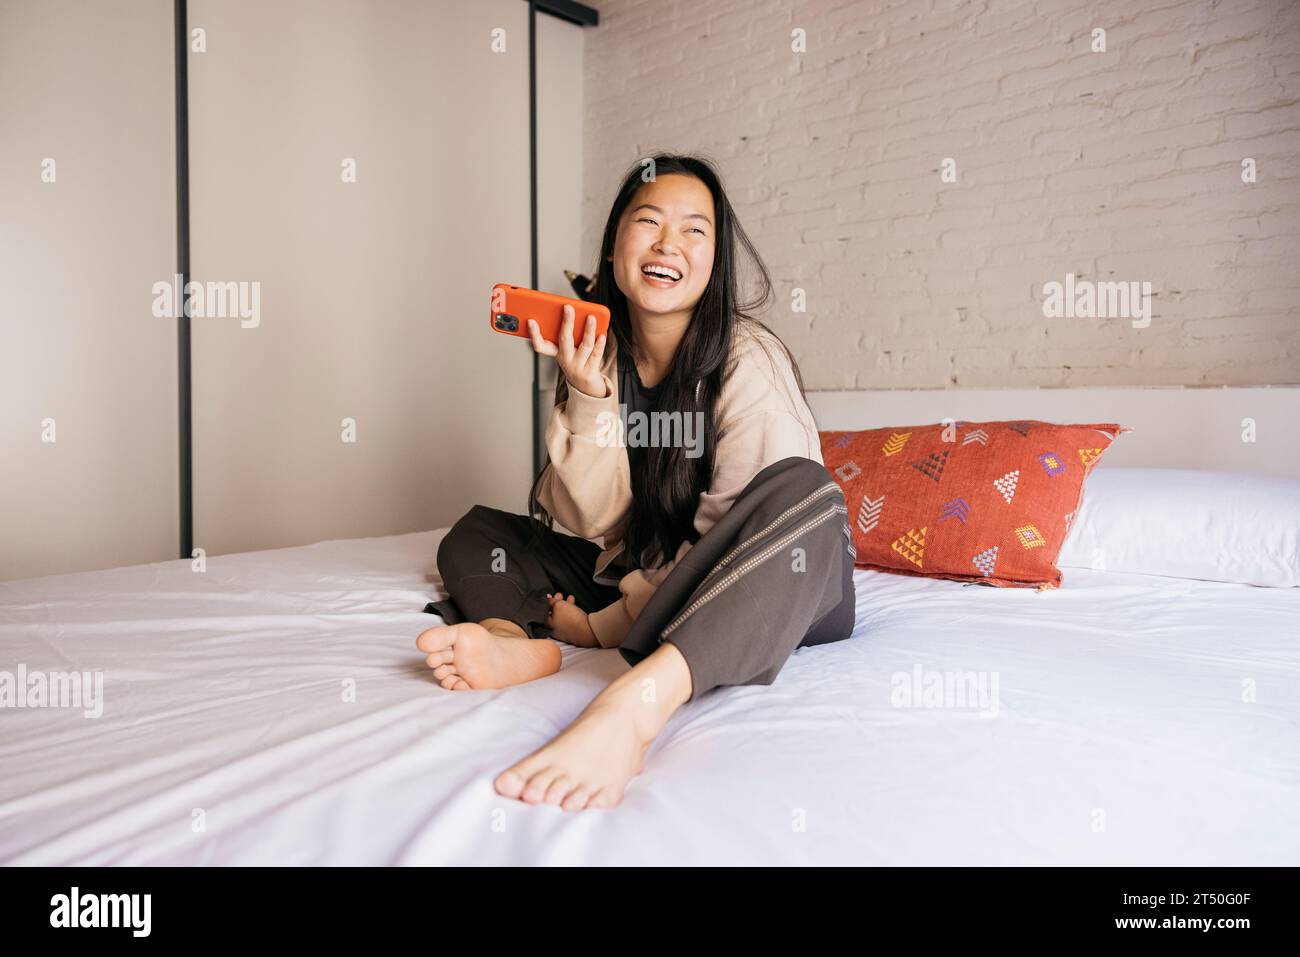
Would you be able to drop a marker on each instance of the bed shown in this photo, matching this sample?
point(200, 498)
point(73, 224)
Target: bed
point(272, 709)
point(228, 735)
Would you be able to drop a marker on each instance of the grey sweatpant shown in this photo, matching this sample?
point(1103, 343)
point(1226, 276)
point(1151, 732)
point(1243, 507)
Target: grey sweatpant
point(774, 574)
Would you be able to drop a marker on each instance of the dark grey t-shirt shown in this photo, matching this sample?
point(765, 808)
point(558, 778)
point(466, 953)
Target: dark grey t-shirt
point(638, 398)
point(633, 393)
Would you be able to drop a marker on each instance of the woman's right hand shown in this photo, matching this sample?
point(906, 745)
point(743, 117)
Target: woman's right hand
point(580, 364)
point(569, 623)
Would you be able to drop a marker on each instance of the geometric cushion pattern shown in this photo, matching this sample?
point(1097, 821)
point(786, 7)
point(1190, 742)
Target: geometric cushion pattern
point(987, 502)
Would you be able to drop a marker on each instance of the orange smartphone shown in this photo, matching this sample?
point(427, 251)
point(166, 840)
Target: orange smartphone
point(513, 306)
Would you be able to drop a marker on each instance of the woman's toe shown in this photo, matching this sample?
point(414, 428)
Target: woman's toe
point(536, 787)
point(436, 638)
point(512, 781)
point(559, 789)
point(509, 783)
point(577, 799)
point(606, 797)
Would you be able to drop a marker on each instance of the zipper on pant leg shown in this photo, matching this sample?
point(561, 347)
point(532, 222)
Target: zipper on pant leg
point(848, 541)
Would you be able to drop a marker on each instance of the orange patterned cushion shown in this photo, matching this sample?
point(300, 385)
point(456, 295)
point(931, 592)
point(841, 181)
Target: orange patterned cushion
point(971, 501)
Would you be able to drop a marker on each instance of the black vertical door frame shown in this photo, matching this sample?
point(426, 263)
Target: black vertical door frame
point(181, 20)
point(577, 13)
point(532, 221)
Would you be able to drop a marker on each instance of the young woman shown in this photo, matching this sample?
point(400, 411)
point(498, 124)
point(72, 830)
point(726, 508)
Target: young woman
point(724, 548)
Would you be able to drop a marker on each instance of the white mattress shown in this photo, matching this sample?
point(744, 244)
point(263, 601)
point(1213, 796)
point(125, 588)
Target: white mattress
point(1121, 736)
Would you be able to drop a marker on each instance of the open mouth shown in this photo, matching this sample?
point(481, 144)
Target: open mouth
point(661, 275)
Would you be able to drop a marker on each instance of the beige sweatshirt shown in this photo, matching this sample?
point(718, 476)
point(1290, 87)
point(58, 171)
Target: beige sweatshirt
point(761, 418)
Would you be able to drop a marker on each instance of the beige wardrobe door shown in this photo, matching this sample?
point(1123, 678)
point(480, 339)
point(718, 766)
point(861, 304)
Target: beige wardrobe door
point(366, 164)
point(88, 455)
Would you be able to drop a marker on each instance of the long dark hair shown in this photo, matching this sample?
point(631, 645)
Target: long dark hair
point(666, 492)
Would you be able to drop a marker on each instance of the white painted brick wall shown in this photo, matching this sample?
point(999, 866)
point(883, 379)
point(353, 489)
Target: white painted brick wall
point(1122, 165)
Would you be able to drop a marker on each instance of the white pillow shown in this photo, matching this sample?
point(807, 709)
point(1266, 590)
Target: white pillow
point(1183, 523)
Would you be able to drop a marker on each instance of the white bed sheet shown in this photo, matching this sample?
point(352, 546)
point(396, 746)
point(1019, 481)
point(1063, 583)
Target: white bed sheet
point(1122, 736)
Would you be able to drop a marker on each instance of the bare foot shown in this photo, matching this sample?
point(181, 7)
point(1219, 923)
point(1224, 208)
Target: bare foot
point(468, 657)
point(591, 762)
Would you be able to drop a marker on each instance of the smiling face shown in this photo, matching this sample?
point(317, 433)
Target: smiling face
point(670, 223)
